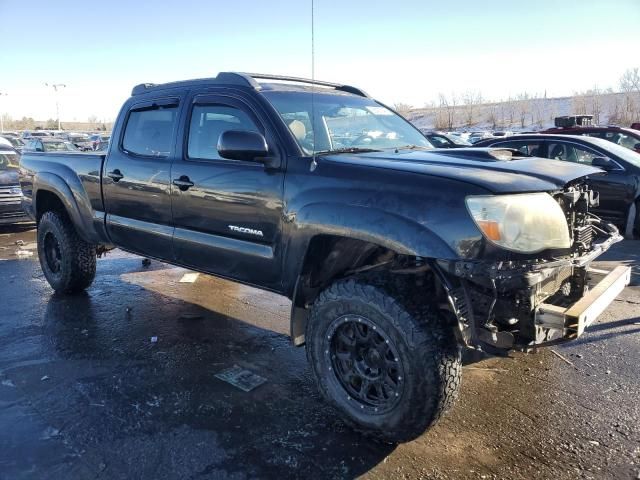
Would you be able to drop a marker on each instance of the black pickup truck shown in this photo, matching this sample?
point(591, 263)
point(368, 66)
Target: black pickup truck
point(394, 255)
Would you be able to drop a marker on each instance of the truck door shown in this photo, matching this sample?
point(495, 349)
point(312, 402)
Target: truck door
point(227, 213)
point(136, 182)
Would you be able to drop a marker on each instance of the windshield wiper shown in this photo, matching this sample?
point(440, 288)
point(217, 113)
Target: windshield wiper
point(347, 150)
point(410, 147)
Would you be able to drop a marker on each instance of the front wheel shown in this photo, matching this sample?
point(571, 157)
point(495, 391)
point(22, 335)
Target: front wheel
point(67, 261)
point(390, 370)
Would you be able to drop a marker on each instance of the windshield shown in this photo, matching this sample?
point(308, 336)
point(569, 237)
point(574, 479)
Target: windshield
point(343, 122)
point(8, 160)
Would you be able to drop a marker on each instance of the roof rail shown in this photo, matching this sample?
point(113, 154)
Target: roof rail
point(285, 78)
point(249, 80)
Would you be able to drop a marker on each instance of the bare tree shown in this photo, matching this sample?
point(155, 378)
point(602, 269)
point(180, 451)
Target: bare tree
point(595, 103)
point(449, 105)
point(493, 115)
point(579, 104)
point(92, 120)
point(523, 106)
point(470, 99)
point(630, 87)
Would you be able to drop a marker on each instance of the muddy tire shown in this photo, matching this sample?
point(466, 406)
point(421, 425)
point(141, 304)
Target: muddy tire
point(68, 262)
point(390, 369)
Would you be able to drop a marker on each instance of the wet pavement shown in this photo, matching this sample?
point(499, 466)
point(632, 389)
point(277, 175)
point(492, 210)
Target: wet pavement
point(86, 391)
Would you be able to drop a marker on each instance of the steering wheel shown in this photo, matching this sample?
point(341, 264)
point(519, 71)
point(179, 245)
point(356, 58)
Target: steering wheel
point(361, 139)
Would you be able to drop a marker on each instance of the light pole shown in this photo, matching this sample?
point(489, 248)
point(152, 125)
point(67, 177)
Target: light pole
point(2, 94)
point(56, 87)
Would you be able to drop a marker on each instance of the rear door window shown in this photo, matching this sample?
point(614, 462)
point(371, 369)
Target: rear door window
point(150, 132)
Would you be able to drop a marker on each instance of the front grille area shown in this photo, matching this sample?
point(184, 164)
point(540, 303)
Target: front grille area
point(552, 284)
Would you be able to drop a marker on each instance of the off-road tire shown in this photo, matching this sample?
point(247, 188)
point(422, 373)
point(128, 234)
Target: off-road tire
point(76, 267)
point(425, 344)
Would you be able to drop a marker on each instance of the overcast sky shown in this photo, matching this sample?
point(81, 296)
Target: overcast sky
point(402, 51)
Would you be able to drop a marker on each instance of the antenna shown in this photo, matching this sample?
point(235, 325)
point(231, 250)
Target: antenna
point(314, 163)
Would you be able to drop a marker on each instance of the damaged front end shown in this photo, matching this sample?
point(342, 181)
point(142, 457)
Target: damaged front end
point(540, 299)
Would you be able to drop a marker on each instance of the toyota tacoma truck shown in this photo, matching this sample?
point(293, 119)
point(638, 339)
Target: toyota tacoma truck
point(395, 255)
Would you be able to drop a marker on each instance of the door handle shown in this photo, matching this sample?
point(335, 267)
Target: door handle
point(183, 183)
point(115, 175)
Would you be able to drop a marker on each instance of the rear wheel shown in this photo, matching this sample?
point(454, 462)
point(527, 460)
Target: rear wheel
point(389, 369)
point(68, 262)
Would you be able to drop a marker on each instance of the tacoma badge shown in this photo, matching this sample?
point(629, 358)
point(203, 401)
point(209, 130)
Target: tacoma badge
point(251, 231)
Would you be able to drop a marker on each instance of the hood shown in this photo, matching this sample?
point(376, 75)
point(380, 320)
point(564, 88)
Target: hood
point(490, 168)
point(9, 178)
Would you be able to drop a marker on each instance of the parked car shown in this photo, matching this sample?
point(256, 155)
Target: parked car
point(80, 140)
point(36, 133)
point(49, 144)
point(15, 142)
point(394, 254)
point(99, 141)
point(625, 137)
point(475, 137)
point(635, 126)
point(619, 189)
point(442, 140)
point(10, 193)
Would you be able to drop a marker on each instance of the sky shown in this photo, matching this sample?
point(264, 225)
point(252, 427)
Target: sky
point(406, 51)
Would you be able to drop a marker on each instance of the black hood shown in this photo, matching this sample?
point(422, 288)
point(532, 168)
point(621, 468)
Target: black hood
point(479, 166)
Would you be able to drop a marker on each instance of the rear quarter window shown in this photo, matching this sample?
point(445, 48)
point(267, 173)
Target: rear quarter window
point(150, 132)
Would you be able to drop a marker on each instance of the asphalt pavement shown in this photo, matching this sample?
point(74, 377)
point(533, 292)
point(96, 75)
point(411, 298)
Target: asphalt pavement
point(120, 382)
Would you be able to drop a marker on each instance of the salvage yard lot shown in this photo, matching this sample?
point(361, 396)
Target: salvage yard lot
point(86, 393)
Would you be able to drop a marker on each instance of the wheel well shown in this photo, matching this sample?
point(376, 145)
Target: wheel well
point(330, 258)
point(47, 201)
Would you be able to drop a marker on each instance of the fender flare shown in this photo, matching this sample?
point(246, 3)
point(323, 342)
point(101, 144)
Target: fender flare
point(386, 229)
point(73, 198)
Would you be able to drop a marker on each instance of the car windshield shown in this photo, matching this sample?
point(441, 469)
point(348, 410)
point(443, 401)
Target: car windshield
point(343, 122)
point(624, 153)
point(58, 147)
point(625, 140)
point(8, 160)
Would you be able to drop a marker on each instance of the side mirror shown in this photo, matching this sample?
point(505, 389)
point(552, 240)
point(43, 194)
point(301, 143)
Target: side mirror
point(604, 163)
point(636, 147)
point(243, 145)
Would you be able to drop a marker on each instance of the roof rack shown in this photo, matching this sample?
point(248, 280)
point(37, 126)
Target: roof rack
point(249, 80)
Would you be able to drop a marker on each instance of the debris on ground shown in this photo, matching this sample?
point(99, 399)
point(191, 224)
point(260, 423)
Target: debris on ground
point(24, 253)
point(19, 242)
point(146, 262)
point(241, 378)
point(563, 358)
point(189, 277)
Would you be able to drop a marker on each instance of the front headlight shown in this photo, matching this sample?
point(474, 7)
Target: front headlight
point(527, 223)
